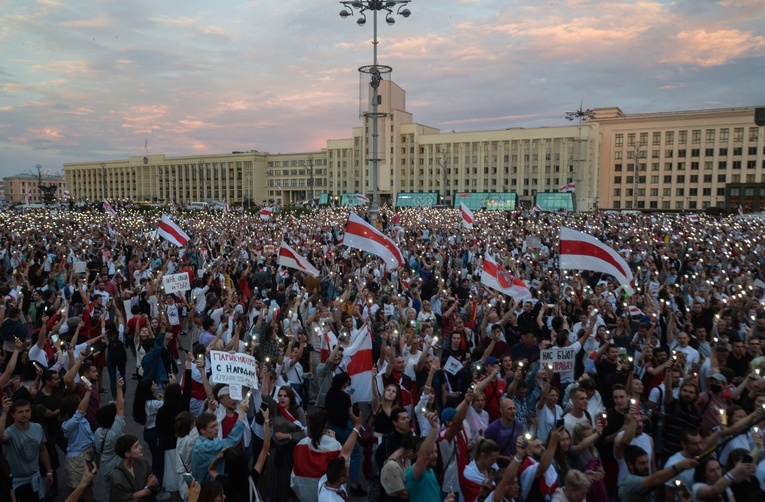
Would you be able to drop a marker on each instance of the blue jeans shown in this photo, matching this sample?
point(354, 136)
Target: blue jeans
point(113, 378)
point(342, 434)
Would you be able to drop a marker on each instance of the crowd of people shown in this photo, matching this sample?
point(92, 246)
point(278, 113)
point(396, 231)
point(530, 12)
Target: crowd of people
point(664, 400)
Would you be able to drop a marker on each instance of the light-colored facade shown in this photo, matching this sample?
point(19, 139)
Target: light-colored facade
point(234, 177)
point(685, 161)
point(16, 187)
point(685, 158)
point(418, 158)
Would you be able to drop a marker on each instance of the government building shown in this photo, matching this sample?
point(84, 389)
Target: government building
point(685, 160)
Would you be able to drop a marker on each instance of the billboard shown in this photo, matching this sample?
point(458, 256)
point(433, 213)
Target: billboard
point(492, 201)
point(416, 199)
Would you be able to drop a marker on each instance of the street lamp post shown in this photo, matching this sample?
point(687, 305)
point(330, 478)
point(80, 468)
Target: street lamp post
point(570, 116)
point(375, 71)
point(247, 190)
point(442, 168)
point(309, 166)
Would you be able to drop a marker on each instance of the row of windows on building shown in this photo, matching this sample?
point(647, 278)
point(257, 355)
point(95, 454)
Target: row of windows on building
point(710, 136)
point(695, 153)
point(294, 163)
point(693, 178)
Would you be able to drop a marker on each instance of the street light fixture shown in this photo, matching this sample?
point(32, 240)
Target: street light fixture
point(571, 116)
point(374, 71)
point(637, 150)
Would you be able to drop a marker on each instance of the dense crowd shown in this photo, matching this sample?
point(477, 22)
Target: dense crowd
point(664, 400)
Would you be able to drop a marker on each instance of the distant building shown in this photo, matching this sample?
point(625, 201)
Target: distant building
point(686, 159)
point(17, 186)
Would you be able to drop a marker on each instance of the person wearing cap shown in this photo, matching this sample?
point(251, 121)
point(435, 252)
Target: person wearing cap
point(713, 400)
point(493, 388)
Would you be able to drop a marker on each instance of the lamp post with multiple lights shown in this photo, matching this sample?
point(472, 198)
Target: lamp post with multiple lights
point(571, 116)
point(375, 71)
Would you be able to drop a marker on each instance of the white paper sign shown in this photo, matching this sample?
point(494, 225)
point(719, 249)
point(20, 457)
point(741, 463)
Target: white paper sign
point(176, 282)
point(561, 359)
point(452, 366)
point(235, 392)
point(388, 310)
point(234, 369)
point(80, 267)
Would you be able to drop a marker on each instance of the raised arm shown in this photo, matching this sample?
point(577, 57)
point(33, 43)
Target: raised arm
point(426, 449)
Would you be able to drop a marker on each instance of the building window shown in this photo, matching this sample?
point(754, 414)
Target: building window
point(721, 178)
point(656, 139)
point(617, 204)
point(710, 136)
point(617, 167)
point(667, 178)
point(695, 152)
point(619, 140)
point(696, 136)
point(653, 204)
point(654, 192)
point(682, 137)
point(617, 180)
point(617, 155)
point(706, 191)
point(668, 154)
point(738, 134)
point(666, 192)
point(681, 178)
point(724, 135)
point(738, 150)
point(669, 137)
point(643, 139)
point(654, 179)
point(617, 192)
point(722, 165)
point(665, 204)
point(631, 139)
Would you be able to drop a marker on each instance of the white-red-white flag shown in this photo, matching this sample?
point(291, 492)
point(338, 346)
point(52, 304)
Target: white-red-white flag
point(361, 235)
point(692, 217)
point(108, 209)
point(537, 208)
point(580, 251)
point(740, 210)
point(172, 232)
point(225, 207)
point(358, 362)
point(278, 187)
point(265, 213)
point(67, 194)
point(289, 258)
point(28, 198)
point(363, 199)
point(467, 216)
point(634, 311)
point(568, 187)
point(499, 279)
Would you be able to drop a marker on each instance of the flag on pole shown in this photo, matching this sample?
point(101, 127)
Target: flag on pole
point(172, 232)
point(635, 312)
point(278, 187)
point(28, 197)
point(225, 206)
point(497, 278)
point(580, 251)
point(108, 209)
point(537, 208)
point(289, 258)
point(740, 210)
point(265, 213)
point(693, 218)
point(467, 216)
point(361, 235)
point(67, 194)
point(358, 362)
point(568, 187)
point(362, 198)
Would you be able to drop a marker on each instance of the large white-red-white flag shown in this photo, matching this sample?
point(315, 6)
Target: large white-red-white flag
point(361, 235)
point(108, 209)
point(568, 187)
point(497, 278)
point(289, 258)
point(467, 216)
point(363, 199)
point(172, 232)
point(265, 213)
point(580, 251)
point(358, 362)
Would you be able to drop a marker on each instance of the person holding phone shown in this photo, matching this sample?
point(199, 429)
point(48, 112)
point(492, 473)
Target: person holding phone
point(132, 480)
point(341, 420)
point(79, 437)
point(549, 413)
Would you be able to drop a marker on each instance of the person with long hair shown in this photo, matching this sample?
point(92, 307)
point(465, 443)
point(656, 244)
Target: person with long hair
point(165, 425)
point(313, 453)
point(146, 404)
point(211, 491)
point(288, 429)
point(562, 457)
point(132, 479)
point(709, 482)
point(382, 405)
point(479, 470)
point(340, 416)
point(586, 458)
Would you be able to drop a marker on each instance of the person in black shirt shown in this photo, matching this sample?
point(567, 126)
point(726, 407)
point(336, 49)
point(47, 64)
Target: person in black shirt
point(606, 363)
point(339, 406)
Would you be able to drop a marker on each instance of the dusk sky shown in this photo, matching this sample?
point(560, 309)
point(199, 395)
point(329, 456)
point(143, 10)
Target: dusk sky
point(93, 80)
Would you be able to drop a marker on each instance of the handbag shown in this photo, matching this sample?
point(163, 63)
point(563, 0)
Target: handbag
point(254, 494)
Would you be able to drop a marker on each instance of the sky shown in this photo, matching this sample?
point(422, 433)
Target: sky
point(98, 80)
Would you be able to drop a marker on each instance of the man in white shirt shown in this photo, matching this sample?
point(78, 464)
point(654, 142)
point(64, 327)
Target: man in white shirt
point(681, 345)
point(633, 434)
point(691, 443)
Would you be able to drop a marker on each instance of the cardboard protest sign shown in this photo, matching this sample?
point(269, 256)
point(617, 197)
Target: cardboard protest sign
point(176, 282)
point(561, 359)
point(234, 369)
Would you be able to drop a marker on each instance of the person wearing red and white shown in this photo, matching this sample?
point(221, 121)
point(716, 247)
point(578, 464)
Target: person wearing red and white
point(539, 479)
point(479, 471)
point(313, 454)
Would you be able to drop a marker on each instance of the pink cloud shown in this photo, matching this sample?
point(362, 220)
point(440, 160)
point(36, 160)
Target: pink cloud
point(713, 48)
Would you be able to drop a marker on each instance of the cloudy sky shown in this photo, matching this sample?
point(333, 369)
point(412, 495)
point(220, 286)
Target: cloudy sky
point(91, 80)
